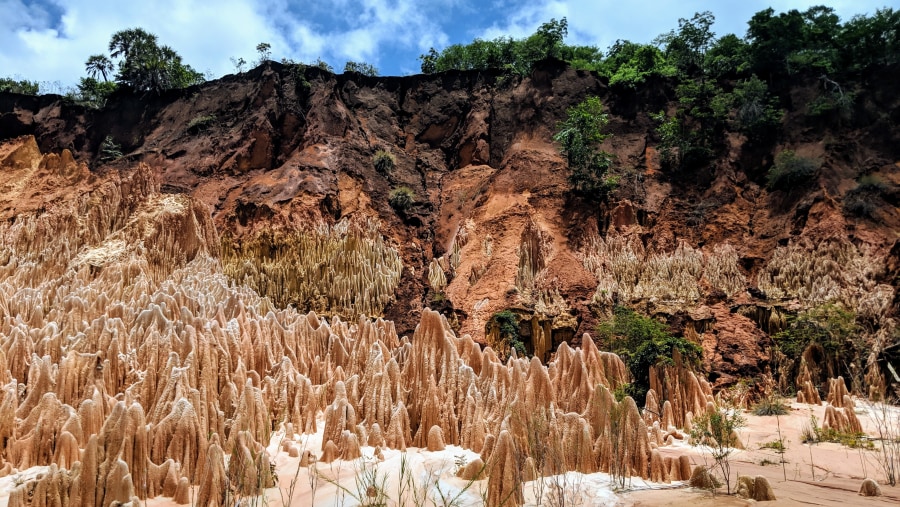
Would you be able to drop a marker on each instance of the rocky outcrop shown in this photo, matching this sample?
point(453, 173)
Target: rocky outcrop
point(141, 367)
point(493, 226)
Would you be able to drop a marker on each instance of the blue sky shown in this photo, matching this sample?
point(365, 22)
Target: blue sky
point(49, 40)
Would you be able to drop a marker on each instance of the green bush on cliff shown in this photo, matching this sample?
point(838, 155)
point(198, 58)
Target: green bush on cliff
point(579, 136)
point(384, 161)
point(790, 170)
point(23, 86)
point(402, 198)
point(643, 342)
point(507, 323)
point(516, 56)
point(366, 69)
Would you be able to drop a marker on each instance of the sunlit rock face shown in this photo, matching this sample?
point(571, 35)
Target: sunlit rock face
point(133, 366)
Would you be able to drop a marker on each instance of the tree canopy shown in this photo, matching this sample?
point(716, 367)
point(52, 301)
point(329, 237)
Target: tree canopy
point(143, 65)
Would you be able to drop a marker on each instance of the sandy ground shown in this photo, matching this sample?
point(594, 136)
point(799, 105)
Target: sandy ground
point(825, 474)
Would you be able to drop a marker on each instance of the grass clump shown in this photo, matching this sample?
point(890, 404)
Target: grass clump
point(812, 433)
point(402, 198)
point(770, 405)
point(791, 170)
point(200, 123)
point(384, 161)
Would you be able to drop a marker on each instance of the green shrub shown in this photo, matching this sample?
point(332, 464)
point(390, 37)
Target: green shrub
point(384, 161)
point(775, 445)
point(812, 433)
point(109, 150)
point(23, 87)
point(366, 69)
point(871, 183)
point(859, 205)
point(643, 342)
point(402, 198)
point(200, 123)
point(791, 170)
point(508, 325)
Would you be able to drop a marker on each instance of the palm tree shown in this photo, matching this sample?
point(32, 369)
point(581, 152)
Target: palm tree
point(126, 43)
point(99, 64)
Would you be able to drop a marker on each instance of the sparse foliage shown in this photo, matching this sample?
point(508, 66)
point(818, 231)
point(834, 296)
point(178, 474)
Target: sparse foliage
point(322, 64)
point(264, 50)
point(717, 431)
point(238, 64)
point(366, 69)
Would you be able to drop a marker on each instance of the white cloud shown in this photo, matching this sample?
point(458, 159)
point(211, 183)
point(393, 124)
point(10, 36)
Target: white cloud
point(49, 40)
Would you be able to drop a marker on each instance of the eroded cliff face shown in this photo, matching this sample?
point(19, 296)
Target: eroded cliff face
point(493, 225)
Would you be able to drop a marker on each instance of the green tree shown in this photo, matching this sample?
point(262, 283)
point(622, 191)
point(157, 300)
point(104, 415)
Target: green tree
point(579, 136)
point(870, 41)
point(643, 342)
point(727, 56)
point(687, 47)
point(145, 66)
point(23, 86)
point(628, 64)
point(99, 65)
point(366, 69)
point(264, 49)
point(772, 40)
point(757, 113)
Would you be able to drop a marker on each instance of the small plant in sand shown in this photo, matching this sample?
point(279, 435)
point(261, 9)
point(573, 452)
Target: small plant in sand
point(886, 420)
point(770, 405)
point(716, 430)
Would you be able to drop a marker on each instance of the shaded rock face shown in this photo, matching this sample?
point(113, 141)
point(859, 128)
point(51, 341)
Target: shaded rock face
point(263, 150)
